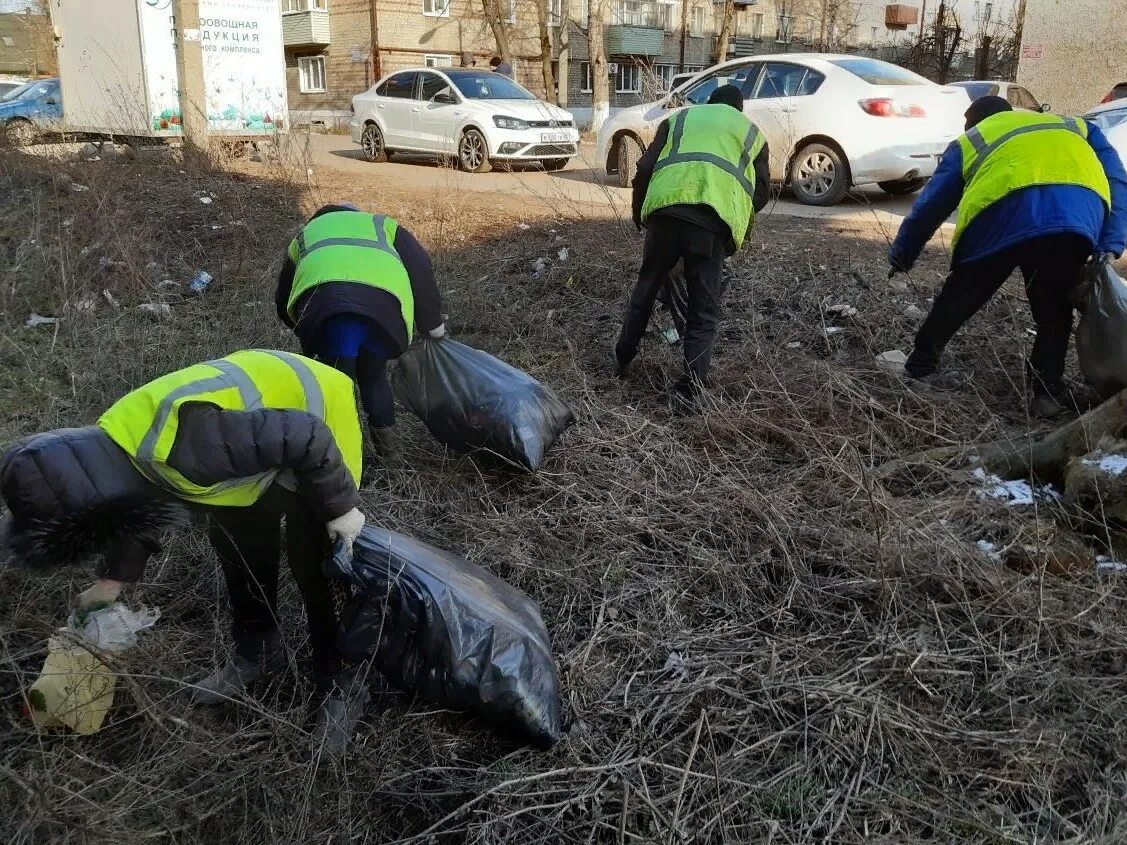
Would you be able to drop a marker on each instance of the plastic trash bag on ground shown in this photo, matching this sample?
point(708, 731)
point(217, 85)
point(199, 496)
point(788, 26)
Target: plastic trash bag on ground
point(443, 628)
point(75, 688)
point(470, 400)
point(1101, 336)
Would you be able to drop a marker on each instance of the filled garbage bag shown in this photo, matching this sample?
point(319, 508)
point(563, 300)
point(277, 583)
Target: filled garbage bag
point(1101, 336)
point(470, 400)
point(439, 626)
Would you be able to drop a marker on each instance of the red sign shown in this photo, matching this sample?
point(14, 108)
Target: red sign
point(1033, 51)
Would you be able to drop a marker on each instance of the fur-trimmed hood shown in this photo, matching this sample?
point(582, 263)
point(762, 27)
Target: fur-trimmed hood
point(73, 492)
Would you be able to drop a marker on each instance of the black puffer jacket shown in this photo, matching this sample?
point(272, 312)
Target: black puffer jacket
point(74, 493)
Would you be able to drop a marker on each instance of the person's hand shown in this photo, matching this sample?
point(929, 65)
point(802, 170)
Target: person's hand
point(101, 592)
point(438, 333)
point(345, 529)
point(897, 265)
point(1104, 257)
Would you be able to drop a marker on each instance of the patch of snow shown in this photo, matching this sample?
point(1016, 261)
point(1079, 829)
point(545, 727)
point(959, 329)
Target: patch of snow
point(1012, 492)
point(989, 549)
point(1111, 464)
point(563, 254)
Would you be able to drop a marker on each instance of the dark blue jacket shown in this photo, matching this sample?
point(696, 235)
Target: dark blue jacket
point(1021, 216)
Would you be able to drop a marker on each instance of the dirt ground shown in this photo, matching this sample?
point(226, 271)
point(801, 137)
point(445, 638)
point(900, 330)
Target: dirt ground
point(758, 641)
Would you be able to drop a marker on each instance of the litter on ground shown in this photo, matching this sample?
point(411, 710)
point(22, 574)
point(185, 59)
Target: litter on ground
point(1016, 492)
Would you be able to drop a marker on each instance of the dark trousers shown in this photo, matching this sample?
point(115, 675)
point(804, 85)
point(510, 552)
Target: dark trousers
point(1050, 265)
point(248, 542)
point(668, 241)
point(369, 371)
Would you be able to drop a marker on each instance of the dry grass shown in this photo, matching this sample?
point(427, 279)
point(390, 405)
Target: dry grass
point(757, 642)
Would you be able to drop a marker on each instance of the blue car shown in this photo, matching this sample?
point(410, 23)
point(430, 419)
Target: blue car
point(31, 110)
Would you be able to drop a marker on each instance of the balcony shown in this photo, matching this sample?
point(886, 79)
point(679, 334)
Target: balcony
point(742, 46)
point(309, 28)
point(630, 40)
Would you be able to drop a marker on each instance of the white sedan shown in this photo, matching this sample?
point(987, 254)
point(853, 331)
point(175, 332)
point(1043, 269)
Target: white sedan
point(832, 122)
point(1111, 118)
point(476, 117)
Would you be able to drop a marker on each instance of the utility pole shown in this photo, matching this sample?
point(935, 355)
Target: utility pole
point(1019, 24)
point(374, 27)
point(923, 24)
point(189, 71)
point(684, 33)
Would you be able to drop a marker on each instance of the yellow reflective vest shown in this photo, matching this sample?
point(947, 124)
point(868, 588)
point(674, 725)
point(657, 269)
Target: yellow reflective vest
point(144, 422)
point(708, 159)
point(351, 246)
point(1014, 150)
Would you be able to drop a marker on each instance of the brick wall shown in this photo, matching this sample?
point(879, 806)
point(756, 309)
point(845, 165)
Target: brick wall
point(349, 30)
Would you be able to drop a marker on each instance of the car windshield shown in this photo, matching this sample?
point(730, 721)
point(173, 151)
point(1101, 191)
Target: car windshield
point(18, 92)
point(876, 72)
point(486, 85)
point(977, 90)
point(30, 90)
point(1108, 119)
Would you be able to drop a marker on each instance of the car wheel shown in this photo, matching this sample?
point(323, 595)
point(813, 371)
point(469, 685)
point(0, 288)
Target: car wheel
point(819, 175)
point(629, 151)
point(473, 152)
point(900, 187)
point(371, 144)
point(551, 164)
point(19, 132)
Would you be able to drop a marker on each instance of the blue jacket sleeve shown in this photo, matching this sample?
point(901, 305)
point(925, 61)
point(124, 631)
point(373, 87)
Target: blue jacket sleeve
point(937, 202)
point(1113, 238)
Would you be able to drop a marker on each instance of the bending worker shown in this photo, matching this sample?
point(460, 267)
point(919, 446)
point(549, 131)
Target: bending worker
point(353, 287)
point(1033, 191)
point(696, 191)
point(247, 439)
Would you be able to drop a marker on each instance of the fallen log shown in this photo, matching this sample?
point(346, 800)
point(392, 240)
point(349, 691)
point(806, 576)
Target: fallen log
point(1045, 458)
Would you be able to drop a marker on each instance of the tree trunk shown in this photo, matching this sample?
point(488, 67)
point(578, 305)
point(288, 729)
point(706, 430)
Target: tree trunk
point(684, 33)
point(492, 9)
point(1045, 458)
point(563, 61)
point(725, 34)
point(546, 51)
point(600, 82)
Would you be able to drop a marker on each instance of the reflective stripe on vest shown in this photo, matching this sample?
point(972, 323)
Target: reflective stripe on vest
point(1012, 151)
point(150, 446)
point(708, 159)
point(736, 171)
point(353, 247)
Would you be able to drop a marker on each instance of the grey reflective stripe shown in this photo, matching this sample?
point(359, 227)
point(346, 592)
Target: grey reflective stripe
point(301, 244)
point(314, 396)
point(1069, 124)
point(378, 222)
point(231, 377)
point(977, 141)
point(377, 242)
point(738, 172)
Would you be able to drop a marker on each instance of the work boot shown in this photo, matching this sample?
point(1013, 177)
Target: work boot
point(684, 396)
point(240, 672)
point(940, 382)
point(1044, 407)
point(385, 441)
point(619, 363)
point(338, 717)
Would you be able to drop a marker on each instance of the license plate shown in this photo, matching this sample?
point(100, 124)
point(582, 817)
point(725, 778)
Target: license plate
point(553, 137)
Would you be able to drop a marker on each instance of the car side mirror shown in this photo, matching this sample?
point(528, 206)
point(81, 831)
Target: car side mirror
point(675, 101)
point(1045, 107)
point(50, 101)
point(444, 97)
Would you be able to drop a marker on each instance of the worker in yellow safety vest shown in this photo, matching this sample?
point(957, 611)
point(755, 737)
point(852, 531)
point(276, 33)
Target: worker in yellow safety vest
point(248, 439)
point(1034, 192)
point(354, 287)
point(696, 192)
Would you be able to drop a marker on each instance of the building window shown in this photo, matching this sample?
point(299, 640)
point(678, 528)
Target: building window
point(696, 22)
point(783, 33)
point(301, 5)
point(438, 60)
point(628, 80)
point(311, 71)
point(667, 15)
point(512, 9)
point(757, 26)
point(663, 76)
point(585, 72)
point(809, 37)
point(436, 8)
point(555, 12)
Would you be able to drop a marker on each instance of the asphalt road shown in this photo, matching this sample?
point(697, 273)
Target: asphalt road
point(582, 182)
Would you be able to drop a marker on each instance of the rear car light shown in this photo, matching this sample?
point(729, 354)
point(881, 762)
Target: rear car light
point(887, 107)
point(1107, 98)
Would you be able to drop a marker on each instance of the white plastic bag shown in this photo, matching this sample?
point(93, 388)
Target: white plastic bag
point(112, 628)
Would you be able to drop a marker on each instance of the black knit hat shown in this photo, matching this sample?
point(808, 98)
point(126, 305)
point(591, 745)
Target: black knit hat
point(985, 107)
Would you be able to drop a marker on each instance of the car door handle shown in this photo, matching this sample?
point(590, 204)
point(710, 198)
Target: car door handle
point(415, 109)
point(789, 109)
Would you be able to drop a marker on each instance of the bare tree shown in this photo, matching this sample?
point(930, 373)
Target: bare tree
point(724, 36)
point(600, 81)
point(542, 12)
point(933, 55)
point(496, 18)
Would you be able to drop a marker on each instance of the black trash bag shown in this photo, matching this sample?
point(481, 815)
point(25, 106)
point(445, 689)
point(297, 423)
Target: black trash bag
point(1101, 336)
point(448, 630)
point(470, 400)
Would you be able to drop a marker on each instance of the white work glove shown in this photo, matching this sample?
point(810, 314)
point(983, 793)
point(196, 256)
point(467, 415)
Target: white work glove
point(346, 529)
point(438, 333)
point(100, 592)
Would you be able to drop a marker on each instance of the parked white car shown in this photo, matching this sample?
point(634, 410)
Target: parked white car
point(1016, 95)
point(476, 117)
point(1111, 118)
point(832, 122)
